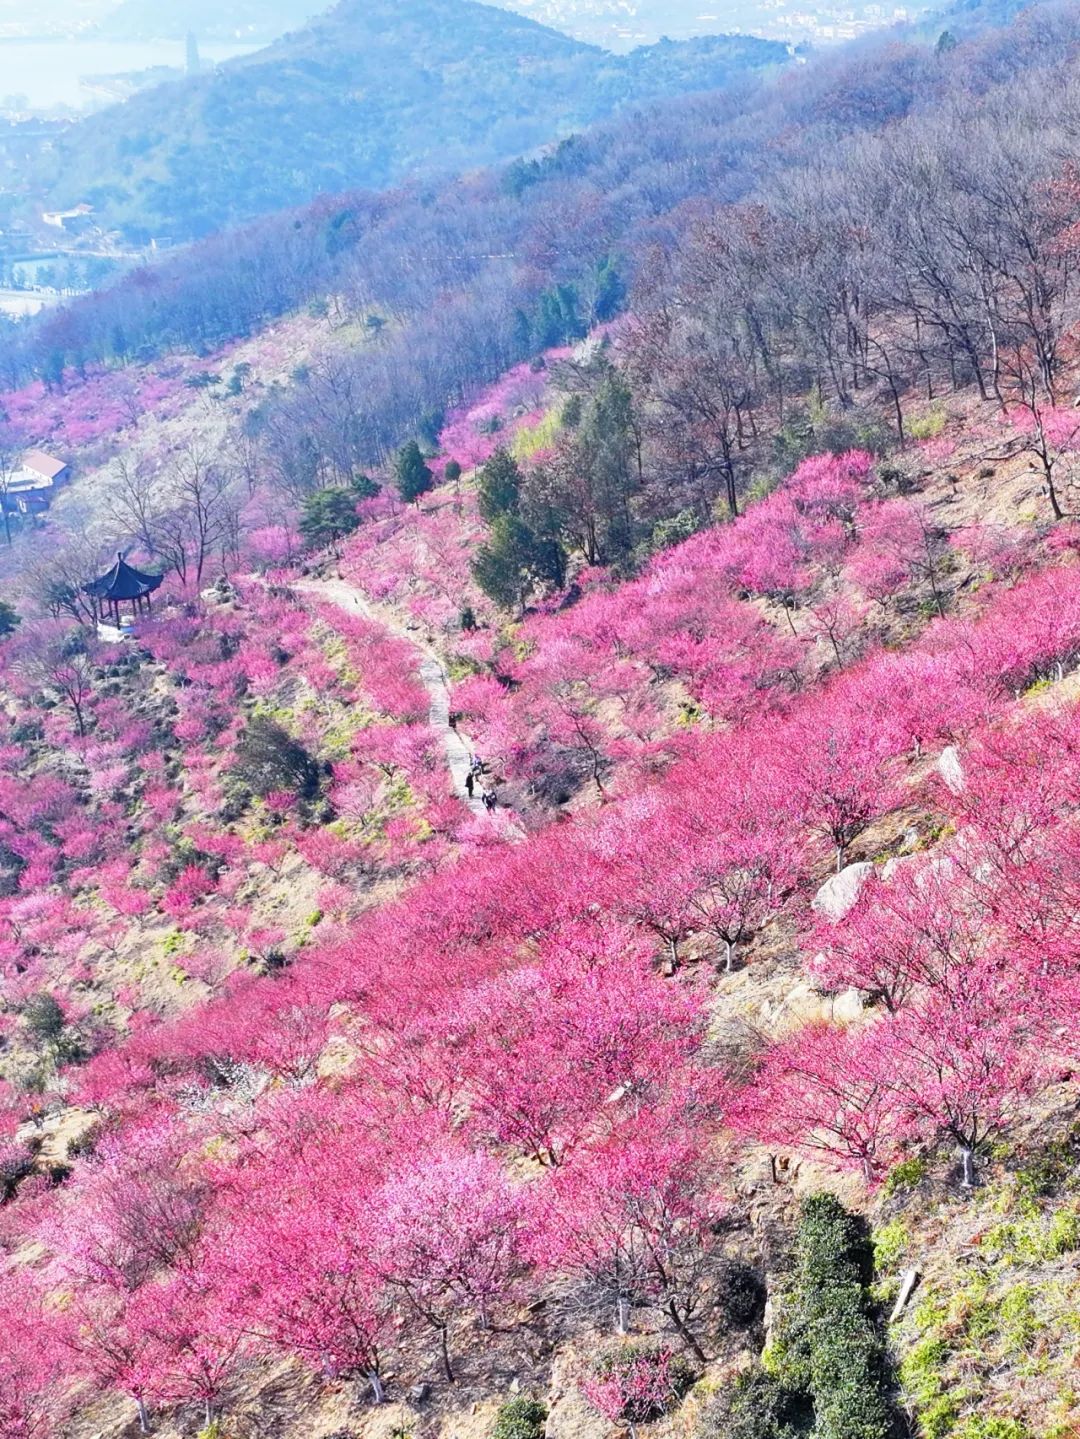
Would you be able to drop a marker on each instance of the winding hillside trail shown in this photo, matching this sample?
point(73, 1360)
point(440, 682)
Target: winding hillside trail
point(432, 674)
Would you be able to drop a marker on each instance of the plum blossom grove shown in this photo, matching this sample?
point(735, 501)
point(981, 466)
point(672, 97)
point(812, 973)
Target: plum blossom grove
point(357, 1087)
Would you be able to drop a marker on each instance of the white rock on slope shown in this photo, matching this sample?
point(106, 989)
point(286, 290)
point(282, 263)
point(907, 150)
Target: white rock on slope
point(839, 893)
point(951, 770)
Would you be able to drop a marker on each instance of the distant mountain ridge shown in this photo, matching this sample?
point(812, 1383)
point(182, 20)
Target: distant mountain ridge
point(375, 92)
point(258, 20)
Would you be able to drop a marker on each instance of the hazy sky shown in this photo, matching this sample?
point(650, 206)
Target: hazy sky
point(154, 17)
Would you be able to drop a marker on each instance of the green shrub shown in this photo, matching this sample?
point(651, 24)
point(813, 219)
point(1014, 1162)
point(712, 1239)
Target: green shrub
point(938, 1419)
point(520, 1418)
point(814, 429)
point(1052, 1168)
point(16, 1162)
point(828, 1346)
point(756, 1406)
point(906, 1175)
point(921, 1377)
point(740, 1295)
point(9, 619)
point(926, 427)
point(760, 487)
point(922, 1373)
point(975, 1310)
point(268, 759)
point(44, 1016)
point(1063, 1235)
point(890, 1241)
point(1029, 1239)
point(993, 1428)
point(1017, 1320)
point(674, 530)
point(84, 1144)
point(531, 439)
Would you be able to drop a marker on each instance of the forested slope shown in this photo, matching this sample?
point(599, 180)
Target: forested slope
point(616, 202)
point(372, 94)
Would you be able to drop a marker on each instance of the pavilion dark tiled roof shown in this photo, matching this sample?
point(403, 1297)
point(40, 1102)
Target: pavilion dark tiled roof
point(123, 582)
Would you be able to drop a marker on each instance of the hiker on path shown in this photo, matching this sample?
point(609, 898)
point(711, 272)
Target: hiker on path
point(470, 784)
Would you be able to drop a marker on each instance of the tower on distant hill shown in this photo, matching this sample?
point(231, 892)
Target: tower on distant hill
point(194, 60)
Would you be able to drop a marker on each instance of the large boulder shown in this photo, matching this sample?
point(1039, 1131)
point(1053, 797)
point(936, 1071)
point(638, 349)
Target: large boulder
point(951, 770)
point(894, 864)
point(803, 1005)
point(838, 895)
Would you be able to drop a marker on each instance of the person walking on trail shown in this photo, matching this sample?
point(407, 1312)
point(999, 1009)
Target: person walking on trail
point(470, 784)
point(491, 802)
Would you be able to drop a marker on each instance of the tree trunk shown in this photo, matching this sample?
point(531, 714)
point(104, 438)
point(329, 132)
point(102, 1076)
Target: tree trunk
point(732, 497)
point(378, 1393)
point(144, 1418)
point(684, 1333)
point(1051, 490)
point(622, 1315)
point(967, 1160)
point(899, 410)
point(444, 1353)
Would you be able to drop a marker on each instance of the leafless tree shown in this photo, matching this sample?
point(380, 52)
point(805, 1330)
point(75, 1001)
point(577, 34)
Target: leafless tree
point(58, 661)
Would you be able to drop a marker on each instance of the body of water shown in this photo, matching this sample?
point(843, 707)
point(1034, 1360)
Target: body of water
point(54, 72)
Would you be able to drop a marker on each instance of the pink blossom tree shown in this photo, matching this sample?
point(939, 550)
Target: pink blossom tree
point(635, 1222)
point(449, 1235)
point(35, 1380)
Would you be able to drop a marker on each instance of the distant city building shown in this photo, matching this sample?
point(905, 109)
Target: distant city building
point(68, 219)
point(30, 488)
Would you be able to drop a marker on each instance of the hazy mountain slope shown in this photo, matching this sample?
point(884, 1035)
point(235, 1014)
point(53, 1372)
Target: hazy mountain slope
point(622, 24)
point(369, 95)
